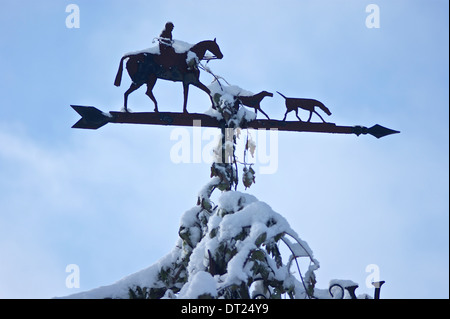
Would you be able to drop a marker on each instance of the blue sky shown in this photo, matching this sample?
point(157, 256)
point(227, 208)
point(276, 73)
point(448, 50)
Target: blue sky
point(110, 200)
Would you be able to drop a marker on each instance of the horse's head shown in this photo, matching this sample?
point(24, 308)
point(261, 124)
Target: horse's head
point(214, 49)
point(210, 45)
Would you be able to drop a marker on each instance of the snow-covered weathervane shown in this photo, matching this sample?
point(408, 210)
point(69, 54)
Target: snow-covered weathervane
point(178, 61)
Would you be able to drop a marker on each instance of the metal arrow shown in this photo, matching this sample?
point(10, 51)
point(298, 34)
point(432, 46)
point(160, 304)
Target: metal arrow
point(93, 118)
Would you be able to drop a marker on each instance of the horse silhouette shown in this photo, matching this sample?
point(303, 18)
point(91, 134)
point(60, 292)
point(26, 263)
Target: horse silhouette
point(146, 68)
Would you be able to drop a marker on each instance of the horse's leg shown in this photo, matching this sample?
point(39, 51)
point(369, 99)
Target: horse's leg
point(285, 114)
point(185, 93)
point(133, 87)
point(204, 88)
point(310, 115)
point(150, 85)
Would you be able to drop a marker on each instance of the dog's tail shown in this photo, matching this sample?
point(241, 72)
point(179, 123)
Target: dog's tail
point(282, 95)
point(323, 107)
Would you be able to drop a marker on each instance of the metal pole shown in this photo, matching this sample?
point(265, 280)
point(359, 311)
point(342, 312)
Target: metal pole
point(377, 286)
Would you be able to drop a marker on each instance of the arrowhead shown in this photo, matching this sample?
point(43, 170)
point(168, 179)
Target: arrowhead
point(379, 131)
point(91, 117)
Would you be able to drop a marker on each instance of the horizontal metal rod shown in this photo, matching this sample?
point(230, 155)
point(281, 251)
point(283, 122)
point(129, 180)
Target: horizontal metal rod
point(93, 118)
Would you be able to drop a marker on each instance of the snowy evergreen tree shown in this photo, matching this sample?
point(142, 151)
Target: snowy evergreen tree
point(231, 250)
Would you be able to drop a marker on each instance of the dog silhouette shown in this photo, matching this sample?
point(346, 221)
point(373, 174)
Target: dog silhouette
point(293, 104)
point(254, 101)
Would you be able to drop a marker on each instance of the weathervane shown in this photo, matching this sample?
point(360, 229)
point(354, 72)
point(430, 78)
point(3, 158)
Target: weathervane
point(178, 61)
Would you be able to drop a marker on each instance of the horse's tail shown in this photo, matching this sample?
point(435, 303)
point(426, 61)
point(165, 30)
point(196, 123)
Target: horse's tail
point(119, 72)
point(323, 107)
point(281, 94)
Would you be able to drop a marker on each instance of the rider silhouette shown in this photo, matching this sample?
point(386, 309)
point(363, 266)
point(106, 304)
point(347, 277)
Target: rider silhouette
point(165, 38)
point(166, 50)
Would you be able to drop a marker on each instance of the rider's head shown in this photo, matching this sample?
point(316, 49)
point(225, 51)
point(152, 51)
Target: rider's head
point(169, 26)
